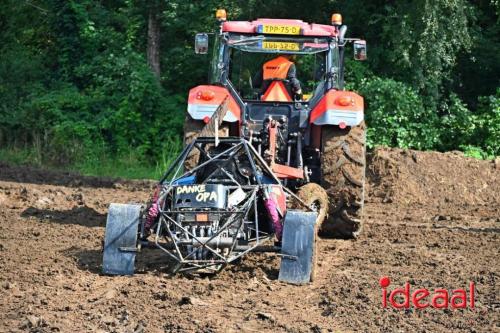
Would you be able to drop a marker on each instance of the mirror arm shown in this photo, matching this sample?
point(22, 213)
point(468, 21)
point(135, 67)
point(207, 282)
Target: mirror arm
point(349, 40)
point(342, 31)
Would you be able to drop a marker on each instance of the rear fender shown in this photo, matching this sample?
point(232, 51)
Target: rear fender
point(338, 107)
point(204, 100)
point(297, 250)
point(120, 240)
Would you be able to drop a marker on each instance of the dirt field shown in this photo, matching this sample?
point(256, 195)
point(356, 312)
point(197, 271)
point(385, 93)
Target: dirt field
point(431, 219)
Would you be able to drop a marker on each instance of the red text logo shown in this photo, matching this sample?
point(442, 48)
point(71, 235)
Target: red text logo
point(400, 298)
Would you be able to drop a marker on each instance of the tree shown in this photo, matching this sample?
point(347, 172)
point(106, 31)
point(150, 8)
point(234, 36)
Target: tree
point(153, 48)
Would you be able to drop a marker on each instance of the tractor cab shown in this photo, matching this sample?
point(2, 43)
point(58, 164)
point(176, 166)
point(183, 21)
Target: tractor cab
point(316, 69)
point(241, 48)
point(248, 55)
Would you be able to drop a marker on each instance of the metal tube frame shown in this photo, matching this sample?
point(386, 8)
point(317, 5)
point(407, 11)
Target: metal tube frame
point(236, 217)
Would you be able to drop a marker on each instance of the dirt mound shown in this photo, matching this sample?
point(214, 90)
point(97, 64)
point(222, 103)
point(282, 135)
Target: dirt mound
point(415, 177)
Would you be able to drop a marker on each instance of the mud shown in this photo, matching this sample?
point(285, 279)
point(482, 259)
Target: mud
point(431, 219)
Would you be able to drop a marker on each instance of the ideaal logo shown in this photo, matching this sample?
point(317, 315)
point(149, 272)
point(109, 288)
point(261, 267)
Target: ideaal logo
point(422, 298)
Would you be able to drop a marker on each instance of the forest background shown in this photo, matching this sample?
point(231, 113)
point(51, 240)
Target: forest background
point(100, 87)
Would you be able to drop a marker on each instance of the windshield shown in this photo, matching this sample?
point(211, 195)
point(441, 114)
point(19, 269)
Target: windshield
point(267, 44)
point(248, 55)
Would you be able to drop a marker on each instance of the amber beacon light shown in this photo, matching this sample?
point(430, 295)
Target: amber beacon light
point(221, 15)
point(336, 19)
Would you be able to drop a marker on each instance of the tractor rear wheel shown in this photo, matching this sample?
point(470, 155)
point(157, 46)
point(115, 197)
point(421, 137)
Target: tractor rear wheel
point(192, 129)
point(343, 162)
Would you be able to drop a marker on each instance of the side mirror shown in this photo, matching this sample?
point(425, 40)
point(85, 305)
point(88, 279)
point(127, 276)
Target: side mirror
point(360, 50)
point(201, 43)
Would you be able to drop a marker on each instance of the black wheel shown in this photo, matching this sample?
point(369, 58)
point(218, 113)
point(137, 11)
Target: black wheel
point(343, 162)
point(316, 198)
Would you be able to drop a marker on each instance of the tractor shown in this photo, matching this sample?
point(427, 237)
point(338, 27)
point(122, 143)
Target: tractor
point(264, 168)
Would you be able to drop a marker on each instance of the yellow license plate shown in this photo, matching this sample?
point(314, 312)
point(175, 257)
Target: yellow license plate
point(281, 46)
point(280, 29)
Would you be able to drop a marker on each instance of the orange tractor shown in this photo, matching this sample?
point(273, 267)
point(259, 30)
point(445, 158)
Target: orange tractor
point(319, 137)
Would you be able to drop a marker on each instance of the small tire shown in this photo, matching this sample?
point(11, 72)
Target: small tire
point(343, 163)
point(316, 198)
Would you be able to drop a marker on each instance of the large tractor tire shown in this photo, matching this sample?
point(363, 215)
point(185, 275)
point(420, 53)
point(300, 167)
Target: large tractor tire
point(343, 163)
point(192, 129)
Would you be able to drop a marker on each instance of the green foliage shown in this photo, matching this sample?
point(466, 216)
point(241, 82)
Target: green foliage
point(127, 166)
point(416, 42)
point(396, 115)
point(101, 99)
point(76, 90)
point(458, 126)
point(475, 133)
point(489, 124)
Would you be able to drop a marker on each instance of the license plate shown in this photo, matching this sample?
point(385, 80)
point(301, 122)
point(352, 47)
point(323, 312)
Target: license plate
point(279, 29)
point(281, 46)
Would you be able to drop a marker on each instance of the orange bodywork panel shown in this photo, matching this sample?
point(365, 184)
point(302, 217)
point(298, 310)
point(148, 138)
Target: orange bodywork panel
point(284, 171)
point(204, 100)
point(338, 106)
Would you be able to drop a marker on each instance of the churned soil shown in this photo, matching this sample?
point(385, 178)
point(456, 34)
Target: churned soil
point(431, 219)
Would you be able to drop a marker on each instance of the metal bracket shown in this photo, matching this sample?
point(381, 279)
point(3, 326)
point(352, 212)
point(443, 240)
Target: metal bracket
point(128, 249)
point(288, 256)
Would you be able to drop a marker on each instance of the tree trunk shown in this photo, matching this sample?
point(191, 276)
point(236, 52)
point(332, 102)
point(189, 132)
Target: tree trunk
point(153, 51)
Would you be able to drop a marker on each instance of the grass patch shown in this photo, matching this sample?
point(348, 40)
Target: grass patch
point(127, 166)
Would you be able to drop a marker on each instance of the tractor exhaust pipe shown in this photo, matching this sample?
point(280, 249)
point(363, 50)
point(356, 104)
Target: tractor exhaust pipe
point(342, 31)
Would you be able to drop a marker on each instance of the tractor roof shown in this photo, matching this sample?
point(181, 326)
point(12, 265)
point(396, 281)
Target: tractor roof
point(280, 26)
